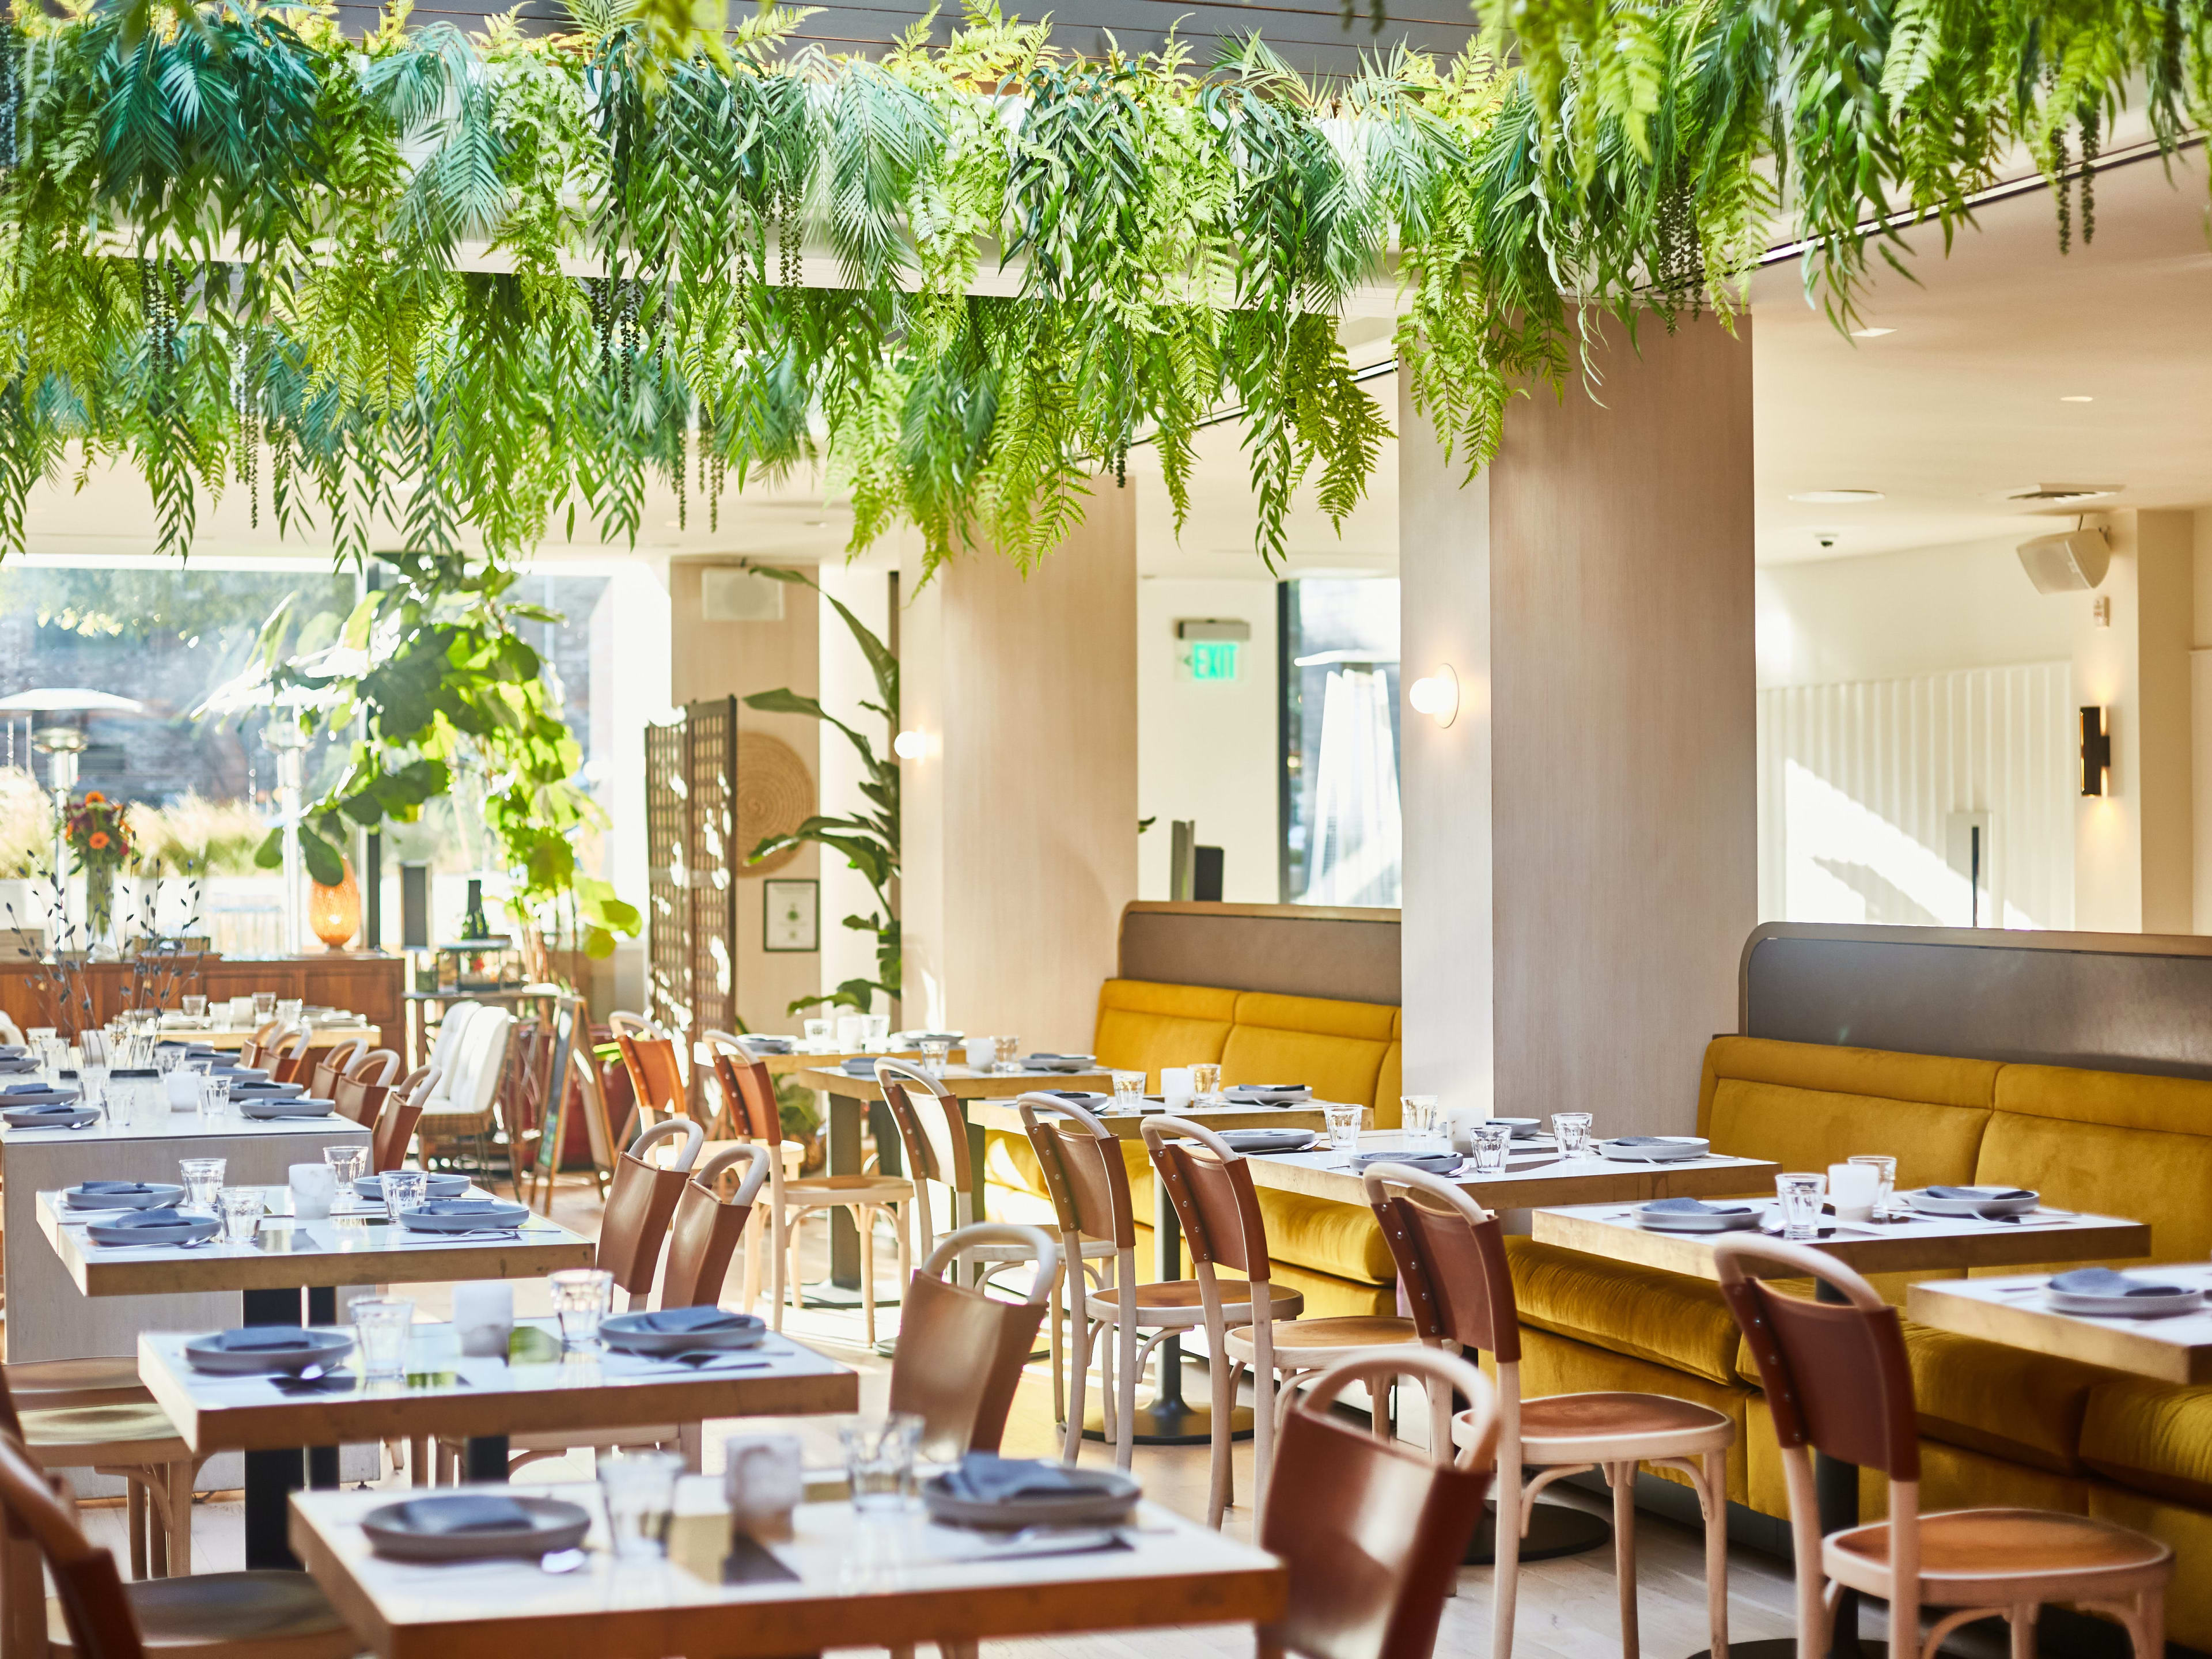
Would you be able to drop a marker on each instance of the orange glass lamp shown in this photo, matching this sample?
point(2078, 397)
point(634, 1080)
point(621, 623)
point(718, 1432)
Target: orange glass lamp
point(334, 913)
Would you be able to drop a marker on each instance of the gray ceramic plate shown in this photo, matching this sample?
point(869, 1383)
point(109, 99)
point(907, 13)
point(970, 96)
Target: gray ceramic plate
point(1928, 1204)
point(628, 1332)
point(1660, 1149)
point(2126, 1307)
point(38, 1098)
point(554, 1524)
point(75, 1120)
point(189, 1232)
point(1269, 1141)
point(242, 1092)
point(205, 1353)
point(441, 1186)
point(1676, 1221)
point(498, 1215)
point(1433, 1163)
point(156, 1195)
point(300, 1106)
point(1011, 1515)
point(1256, 1095)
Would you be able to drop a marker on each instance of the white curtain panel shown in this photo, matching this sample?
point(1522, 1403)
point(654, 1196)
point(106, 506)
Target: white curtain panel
point(1358, 835)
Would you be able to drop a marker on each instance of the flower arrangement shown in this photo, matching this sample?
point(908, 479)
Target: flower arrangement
point(99, 837)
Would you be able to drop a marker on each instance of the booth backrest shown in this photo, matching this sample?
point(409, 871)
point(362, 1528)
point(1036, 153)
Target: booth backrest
point(1345, 1051)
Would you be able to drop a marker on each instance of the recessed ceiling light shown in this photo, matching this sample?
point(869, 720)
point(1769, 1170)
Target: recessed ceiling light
point(2077, 397)
point(2058, 495)
point(1870, 333)
point(1835, 497)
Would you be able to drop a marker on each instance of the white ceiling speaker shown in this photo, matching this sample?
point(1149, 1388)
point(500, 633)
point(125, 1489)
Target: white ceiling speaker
point(2071, 563)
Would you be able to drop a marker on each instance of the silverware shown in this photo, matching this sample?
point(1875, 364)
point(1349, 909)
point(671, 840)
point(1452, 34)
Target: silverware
point(559, 1561)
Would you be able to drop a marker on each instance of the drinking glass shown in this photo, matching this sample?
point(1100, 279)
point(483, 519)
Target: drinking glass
point(380, 1333)
point(165, 1060)
point(350, 1163)
point(194, 1007)
point(265, 1004)
point(1801, 1195)
point(1206, 1084)
point(851, 1031)
point(580, 1298)
point(879, 1460)
point(640, 1490)
point(240, 1208)
point(203, 1181)
point(1572, 1132)
point(1006, 1053)
point(1885, 1170)
point(818, 1032)
point(404, 1190)
point(93, 1075)
point(876, 1030)
point(288, 1009)
point(1343, 1120)
point(1128, 1091)
point(1422, 1123)
point(1491, 1142)
point(53, 1055)
point(933, 1051)
point(214, 1095)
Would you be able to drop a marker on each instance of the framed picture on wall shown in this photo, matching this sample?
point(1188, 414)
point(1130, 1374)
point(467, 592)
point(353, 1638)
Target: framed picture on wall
point(791, 914)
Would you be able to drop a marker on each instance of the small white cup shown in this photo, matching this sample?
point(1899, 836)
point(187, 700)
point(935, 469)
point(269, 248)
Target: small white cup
point(764, 1480)
point(483, 1314)
point(1851, 1190)
point(982, 1054)
point(1176, 1087)
point(314, 1186)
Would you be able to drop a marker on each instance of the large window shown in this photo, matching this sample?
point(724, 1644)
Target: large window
point(1342, 835)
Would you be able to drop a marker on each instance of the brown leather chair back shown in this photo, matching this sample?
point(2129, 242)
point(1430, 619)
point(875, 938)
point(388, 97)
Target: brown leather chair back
point(1212, 1191)
point(290, 1060)
point(930, 1125)
point(1835, 1372)
point(395, 1122)
point(102, 1625)
point(655, 1076)
point(641, 1202)
point(1083, 1170)
point(749, 1093)
point(960, 1353)
point(376, 1066)
point(1371, 1531)
point(1450, 1254)
point(362, 1101)
point(707, 1228)
point(251, 1051)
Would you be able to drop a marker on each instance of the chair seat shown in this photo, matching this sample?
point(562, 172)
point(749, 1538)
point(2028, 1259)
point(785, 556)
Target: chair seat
point(136, 1433)
point(1973, 1556)
point(1308, 1344)
point(1178, 1302)
point(272, 1615)
point(96, 1374)
point(817, 1190)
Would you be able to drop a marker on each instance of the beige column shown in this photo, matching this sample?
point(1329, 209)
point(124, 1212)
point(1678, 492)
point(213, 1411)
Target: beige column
point(1581, 848)
point(1021, 811)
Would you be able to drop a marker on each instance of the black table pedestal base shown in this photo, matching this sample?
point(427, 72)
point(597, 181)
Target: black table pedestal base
point(1554, 1530)
point(271, 1477)
point(1785, 1647)
point(486, 1458)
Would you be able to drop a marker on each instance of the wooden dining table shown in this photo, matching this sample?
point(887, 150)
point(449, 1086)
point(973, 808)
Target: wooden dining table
point(2014, 1309)
point(844, 1580)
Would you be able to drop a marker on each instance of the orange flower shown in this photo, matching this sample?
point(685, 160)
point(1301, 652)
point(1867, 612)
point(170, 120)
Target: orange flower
point(98, 842)
point(93, 798)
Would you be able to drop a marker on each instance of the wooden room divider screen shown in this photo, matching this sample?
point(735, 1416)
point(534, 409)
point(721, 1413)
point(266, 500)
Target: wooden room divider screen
point(691, 845)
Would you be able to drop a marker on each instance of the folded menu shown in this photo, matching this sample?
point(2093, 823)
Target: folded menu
point(1979, 1195)
point(988, 1477)
point(1693, 1207)
point(689, 1319)
point(2103, 1281)
point(461, 1513)
point(264, 1339)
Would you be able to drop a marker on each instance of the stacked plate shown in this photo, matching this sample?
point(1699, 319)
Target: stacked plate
point(253, 1088)
point(122, 1195)
point(55, 1114)
point(474, 1526)
point(1005, 1494)
point(262, 1350)
point(1268, 1140)
point(256, 1106)
point(681, 1330)
point(437, 1186)
point(2101, 1293)
point(36, 1094)
point(1268, 1094)
point(1059, 1062)
point(1433, 1163)
point(160, 1226)
point(1983, 1201)
point(1653, 1149)
point(464, 1215)
point(1692, 1215)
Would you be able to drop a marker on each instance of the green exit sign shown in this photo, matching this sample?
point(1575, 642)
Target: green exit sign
point(1213, 660)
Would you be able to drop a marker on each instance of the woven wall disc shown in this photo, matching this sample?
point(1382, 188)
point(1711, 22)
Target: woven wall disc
point(775, 795)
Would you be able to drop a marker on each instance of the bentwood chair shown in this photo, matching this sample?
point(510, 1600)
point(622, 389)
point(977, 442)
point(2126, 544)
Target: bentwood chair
point(393, 1130)
point(1450, 1256)
point(334, 1062)
point(290, 1060)
point(95, 1415)
point(256, 1050)
point(961, 1353)
point(1837, 1382)
point(95, 1615)
point(1209, 1185)
point(749, 1093)
point(656, 1075)
point(1372, 1531)
point(361, 1093)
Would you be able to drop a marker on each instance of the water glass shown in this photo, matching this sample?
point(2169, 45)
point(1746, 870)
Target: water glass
point(288, 1009)
point(1422, 1123)
point(1206, 1084)
point(214, 1095)
point(240, 1208)
point(92, 1074)
point(1885, 1173)
point(194, 1007)
point(852, 1032)
point(876, 1030)
point(404, 1190)
point(348, 1163)
point(1572, 1131)
point(53, 1055)
point(879, 1460)
point(640, 1490)
point(1006, 1054)
point(1128, 1091)
point(819, 1034)
point(1489, 1144)
point(933, 1053)
point(1801, 1195)
point(202, 1182)
point(380, 1333)
point(581, 1297)
point(265, 1005)
point(1343, 1120)
point(165, 1060)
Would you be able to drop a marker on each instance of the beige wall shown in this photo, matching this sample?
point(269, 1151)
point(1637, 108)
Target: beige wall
point(736, 659)
point(1573, 921)
point(1021, 818)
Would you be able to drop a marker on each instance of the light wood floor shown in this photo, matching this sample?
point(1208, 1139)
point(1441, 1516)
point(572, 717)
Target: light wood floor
point(1567, 1607)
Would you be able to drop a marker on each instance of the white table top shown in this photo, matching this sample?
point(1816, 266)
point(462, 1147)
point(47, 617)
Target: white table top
point(479, 1395)
point(858, 1581)
point(1534, 1175)
point(140, 1120)
point(2015, 1310)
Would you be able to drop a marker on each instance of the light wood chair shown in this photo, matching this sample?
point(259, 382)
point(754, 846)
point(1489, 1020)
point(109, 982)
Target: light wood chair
point(1371, 1532)
point(360, 1098)
point(334, 1062)
point(290, 1059)
point(750, 1092)
point(256, 1050)
point(95, 1415)
point(1450, 1256)
point(1837, 1381)
point(1209, 1185)
point(961, 1353)
point(95, 1615)
point(393, 1131)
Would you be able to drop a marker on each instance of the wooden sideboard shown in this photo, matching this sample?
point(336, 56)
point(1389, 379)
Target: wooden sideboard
point(366, 983)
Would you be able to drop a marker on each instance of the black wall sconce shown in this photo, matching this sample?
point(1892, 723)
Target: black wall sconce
point(2096, 750)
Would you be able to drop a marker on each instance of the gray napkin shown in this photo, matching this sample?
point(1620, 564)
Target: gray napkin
point(2103, 1281)
point(89, 1186)
point(1979, 1195)
point(24, 1089)
point(988, 1477)
point(164, 1217)
point(694, 1319)
point(464, 1514)
point(1648, 1140)
point(1693, 1207)
point(58, 1108)
point(264, 1339)
point(466, 1207)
